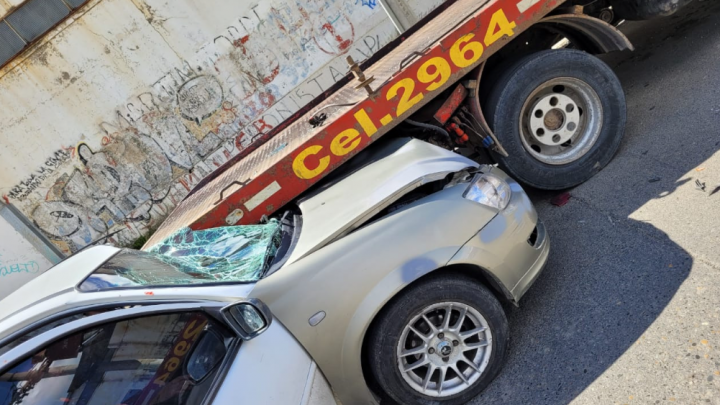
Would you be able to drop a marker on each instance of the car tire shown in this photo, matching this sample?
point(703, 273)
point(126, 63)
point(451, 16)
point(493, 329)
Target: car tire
point(560, 115)
point(391, 335)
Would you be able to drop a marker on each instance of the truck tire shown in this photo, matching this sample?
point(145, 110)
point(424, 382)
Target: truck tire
point(560, 115)
point(420, 356)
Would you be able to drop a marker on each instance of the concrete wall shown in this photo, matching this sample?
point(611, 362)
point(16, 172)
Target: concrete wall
point(117, 113)
point(20, 261)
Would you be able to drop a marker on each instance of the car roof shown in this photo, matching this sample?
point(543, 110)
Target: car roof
point(54, 294)
point(61, 278)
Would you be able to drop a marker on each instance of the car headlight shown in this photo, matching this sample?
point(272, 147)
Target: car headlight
point(489, 190)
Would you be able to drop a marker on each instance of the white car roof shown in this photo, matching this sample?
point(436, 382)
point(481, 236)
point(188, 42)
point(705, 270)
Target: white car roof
point(54, 292)
point(61, 278)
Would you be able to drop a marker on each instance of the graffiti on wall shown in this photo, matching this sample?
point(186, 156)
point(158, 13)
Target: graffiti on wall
point(368, 3)
point(163, 142)
point(27, 186)
point(20, 260)
point(12, 268)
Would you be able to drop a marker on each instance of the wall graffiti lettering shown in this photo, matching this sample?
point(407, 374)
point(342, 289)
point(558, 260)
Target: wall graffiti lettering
point(9, 269)
point(368, 3)
point(27, 186)
point(121, 183)
point(161, 143)
point(199, 98)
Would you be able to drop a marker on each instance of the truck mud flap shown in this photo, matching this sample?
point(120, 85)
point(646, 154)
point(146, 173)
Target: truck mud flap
point(599, 36)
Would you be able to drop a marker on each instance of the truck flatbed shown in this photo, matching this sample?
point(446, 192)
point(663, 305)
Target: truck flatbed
point(428, 62)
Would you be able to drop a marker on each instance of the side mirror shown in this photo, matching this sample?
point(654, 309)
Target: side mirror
point(205, 357)
point(248, 318)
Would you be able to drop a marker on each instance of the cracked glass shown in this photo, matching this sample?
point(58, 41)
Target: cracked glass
point(220, 255)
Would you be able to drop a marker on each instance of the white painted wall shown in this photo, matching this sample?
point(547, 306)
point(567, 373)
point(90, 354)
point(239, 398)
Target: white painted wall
point(116, 114)
point(20, 262)
point(7, 5)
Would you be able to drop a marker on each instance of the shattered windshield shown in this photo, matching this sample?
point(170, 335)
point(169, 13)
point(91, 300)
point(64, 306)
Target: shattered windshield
point(220, 255)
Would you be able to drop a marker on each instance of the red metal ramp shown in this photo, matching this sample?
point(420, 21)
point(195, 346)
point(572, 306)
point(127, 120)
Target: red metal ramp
point(424, 65)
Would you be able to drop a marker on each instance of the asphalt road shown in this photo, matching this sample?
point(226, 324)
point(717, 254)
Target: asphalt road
point(628, 309)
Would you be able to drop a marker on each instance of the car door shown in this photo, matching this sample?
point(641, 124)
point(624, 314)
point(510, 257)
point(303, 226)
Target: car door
point(160, 355)
point(274, 369)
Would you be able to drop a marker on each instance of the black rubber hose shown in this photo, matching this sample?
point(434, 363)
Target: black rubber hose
point(431, 127)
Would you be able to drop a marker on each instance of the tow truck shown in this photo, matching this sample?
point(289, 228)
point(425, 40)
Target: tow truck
point(512, 82)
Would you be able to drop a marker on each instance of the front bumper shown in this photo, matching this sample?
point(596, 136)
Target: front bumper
point(513, 247)
point(540, 255)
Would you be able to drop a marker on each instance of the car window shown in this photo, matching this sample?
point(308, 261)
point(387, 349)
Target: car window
point(220, 255)
point(155, 360)
point(15, 342)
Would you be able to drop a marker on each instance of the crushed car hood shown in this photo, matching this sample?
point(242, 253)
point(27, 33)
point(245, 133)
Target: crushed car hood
point(397, 168)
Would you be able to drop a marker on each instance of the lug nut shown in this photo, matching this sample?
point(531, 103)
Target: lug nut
point(456, 343)
point(441, 336)
point(431, 351)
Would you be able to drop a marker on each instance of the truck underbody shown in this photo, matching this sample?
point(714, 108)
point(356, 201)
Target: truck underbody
point(646, 9)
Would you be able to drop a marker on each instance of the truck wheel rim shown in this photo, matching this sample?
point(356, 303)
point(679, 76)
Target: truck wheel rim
point(561, 121)
point(444, 349)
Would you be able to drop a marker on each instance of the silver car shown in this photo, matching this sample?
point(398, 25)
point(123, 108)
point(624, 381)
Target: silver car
point(384, 283)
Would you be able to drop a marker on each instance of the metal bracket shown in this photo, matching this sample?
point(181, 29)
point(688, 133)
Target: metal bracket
point(410, 58)
point(360, 76)
point(234, 183)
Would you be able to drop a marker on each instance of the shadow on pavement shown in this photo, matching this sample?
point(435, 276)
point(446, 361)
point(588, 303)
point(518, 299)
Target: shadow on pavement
point(596, 298)
point(610, 277)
